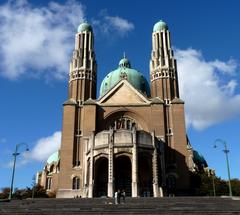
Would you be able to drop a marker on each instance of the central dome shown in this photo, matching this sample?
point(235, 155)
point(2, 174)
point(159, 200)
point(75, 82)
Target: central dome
point(124, 71)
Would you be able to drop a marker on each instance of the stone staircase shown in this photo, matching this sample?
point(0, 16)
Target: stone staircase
point(97, 206)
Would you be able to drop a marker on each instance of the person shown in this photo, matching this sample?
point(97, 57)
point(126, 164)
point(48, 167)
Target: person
point(123, 194)
point(116, 197)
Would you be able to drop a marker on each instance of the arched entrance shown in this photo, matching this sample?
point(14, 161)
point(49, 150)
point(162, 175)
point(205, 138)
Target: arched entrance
point(171, 185)
point(123, 173)
point(145, 175)
point(101, 177)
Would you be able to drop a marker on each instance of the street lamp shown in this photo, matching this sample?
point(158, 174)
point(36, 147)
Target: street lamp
point(15, 154)
point(226, 151)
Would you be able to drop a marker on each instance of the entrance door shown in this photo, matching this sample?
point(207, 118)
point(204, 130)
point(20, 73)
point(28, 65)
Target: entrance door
point(145, 175)
point(122, 174)
point(101, 177)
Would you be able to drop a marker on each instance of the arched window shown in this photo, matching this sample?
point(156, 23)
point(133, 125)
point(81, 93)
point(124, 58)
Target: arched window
point(76, 183)
point(58, 167)
point(128, 124)
point(48, 183)
point(51, 168)
point(123, 123)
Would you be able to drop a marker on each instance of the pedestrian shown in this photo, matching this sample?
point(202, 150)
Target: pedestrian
point(123, 194)
point(116, 197)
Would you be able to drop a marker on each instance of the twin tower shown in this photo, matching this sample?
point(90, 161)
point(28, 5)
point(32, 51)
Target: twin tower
point(132, 137)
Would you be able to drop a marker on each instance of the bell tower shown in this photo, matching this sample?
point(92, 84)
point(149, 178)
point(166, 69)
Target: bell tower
point(82, 86)
point(164, 85)
point(83, 66)
point(163, 69)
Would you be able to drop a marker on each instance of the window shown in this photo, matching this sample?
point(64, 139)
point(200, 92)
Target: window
point(167, 101)
point(51, 169)
point(128, 124)
point(169, 131)
point(76, 183)
point(124, 123)
point(49, 183)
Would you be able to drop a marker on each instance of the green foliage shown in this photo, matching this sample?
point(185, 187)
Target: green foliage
point(202, 185)
point(4, 193)
point(235, 187)
point(39, 192)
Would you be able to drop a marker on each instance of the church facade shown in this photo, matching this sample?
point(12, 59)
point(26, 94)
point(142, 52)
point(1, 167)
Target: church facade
point(132, 137)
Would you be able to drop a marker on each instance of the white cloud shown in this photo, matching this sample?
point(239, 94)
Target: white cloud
point(110, 25)
point(120, 24)
point(208, 89)
point(37, 39)
point(44, 147)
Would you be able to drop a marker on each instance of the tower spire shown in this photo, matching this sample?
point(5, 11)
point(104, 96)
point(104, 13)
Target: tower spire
point(163, 71)
point(83, 66)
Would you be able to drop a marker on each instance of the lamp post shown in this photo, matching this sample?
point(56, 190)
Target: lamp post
point(226, 151)
point(15, 154)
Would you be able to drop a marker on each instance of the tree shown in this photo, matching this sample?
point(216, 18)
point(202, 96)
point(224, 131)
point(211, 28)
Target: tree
point(4, 193)
point(202, 185)
point(235, 187)
point(40, 192)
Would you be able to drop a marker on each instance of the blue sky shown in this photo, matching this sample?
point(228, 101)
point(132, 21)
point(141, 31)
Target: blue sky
point(36, 42)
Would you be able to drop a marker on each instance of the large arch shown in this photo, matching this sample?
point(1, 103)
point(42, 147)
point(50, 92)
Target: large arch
point(120, 113)
point(145, 177)
point(100, 177)
point(123, 174)
point(171, 183)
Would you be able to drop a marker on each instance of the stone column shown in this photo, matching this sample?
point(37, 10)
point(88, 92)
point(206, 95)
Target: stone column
point(163, 169)
point(91, 184)
point(110, 164)
point(43, 179)
point(134, 164)
point(155, 168)
point(85, 160)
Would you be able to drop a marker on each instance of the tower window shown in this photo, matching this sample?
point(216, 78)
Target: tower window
point(167, 101)
point(169, 131)
point(49, 183)
point(76, 183)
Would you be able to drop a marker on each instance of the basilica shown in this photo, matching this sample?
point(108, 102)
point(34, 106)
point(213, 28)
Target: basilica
point(131, 137)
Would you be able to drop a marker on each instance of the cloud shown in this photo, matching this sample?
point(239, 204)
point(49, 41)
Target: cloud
point(39, 40)
point(119, 24)
point(110, 25)
point(44, 147)
point(208, 88)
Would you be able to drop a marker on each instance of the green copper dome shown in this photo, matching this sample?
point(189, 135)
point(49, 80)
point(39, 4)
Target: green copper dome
point(53, 158)
point(84, 27)
point(124, 63)
point(199, 159)
point(159, 26)
point(124, 71)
